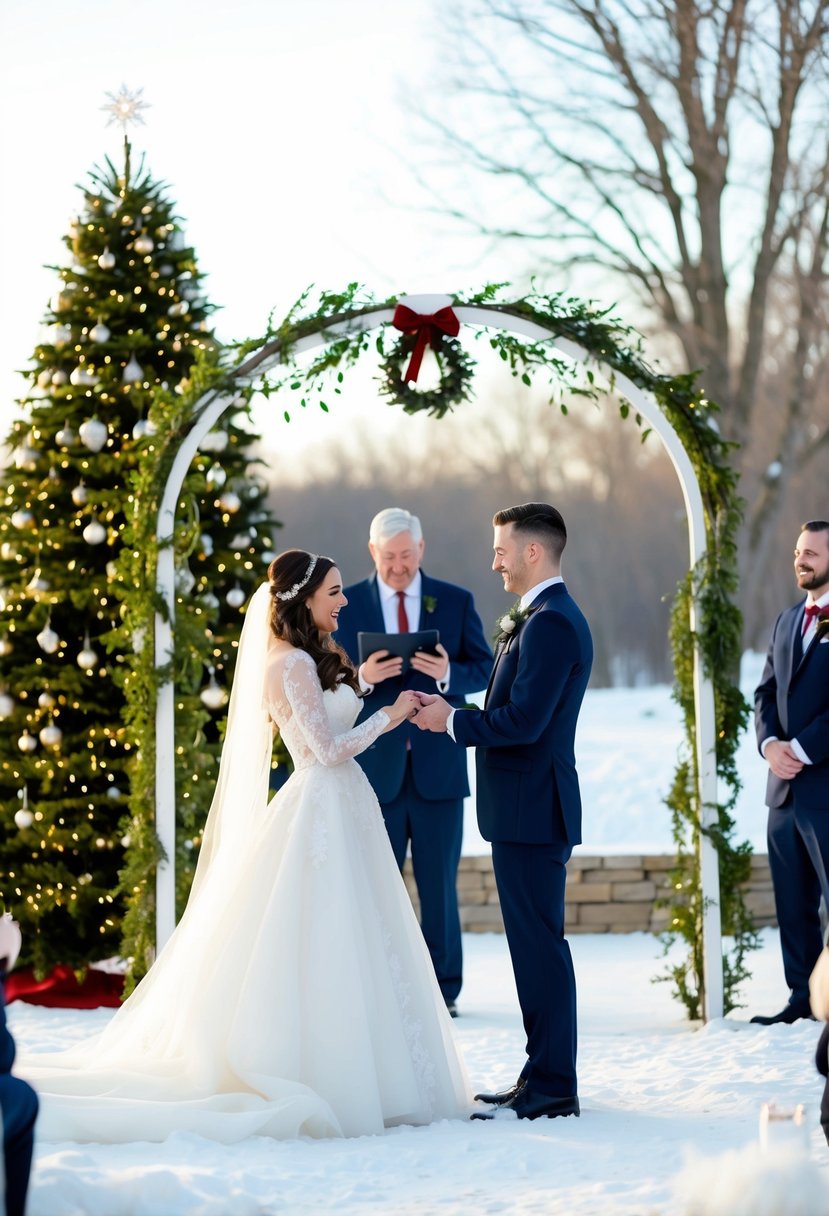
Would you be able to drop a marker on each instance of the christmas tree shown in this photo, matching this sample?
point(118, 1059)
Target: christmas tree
point(127, 323)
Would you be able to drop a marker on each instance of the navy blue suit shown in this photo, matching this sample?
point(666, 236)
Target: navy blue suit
point(420, 778)
point(18, 1104)
point(529, 807)
point(792, 702)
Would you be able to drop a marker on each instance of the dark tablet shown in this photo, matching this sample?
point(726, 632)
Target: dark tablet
point(402, 644)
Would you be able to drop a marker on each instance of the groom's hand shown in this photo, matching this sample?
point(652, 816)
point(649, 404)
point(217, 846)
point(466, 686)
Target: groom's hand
point(433, 713)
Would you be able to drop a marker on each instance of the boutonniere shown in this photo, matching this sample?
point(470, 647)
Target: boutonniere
point(429, 604)
point(822, 625)
point(507, 625)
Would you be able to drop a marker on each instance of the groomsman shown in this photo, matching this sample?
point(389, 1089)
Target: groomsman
point(420, 782)
point(18, 1102)
point(528, 793)
point(791, 709)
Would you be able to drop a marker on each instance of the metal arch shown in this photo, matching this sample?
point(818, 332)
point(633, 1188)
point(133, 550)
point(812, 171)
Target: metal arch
point(209, 408)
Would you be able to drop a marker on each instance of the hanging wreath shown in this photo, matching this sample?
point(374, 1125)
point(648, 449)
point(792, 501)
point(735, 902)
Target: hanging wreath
point(456, 370)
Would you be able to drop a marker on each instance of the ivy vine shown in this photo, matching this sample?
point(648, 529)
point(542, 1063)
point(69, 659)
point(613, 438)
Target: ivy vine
point(274, 363)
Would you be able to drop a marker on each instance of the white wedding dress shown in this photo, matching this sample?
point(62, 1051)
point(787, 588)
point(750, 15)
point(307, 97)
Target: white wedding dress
point(297, 996)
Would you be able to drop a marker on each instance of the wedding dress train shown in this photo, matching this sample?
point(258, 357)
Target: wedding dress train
point(296, 996)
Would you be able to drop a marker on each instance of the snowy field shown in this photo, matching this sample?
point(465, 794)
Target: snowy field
point(670, 1110)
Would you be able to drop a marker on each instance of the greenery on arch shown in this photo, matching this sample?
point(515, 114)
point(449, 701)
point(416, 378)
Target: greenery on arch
point(272, 364)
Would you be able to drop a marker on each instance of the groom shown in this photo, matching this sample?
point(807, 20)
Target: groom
point(528, 793)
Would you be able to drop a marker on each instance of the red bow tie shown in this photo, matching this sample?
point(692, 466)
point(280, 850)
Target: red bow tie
point(814, 612)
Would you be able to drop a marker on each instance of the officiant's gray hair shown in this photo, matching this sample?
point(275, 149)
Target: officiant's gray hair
point(391, 522)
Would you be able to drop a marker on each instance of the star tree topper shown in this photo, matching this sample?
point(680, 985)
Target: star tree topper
point(125, 107)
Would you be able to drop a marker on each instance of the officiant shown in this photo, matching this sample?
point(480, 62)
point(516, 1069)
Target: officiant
point(420, 778)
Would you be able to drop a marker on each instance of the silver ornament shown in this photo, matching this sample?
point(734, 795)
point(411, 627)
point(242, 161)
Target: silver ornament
point(94, 533)
point(133, 373)
point(143, 244)
point(230, 502)
point(24, 818)
point(51, 735)
point(235, 597)
point(59, 379)
point(94, 434)
point(5, 647)
point(46, 700)
point(87, 658)
point(22, 519)
point(213, 695)
point(80, 494)
point(66, 436)
point(99, 333)
point(216, 476)
point(106, 261)
point(6, 706)
point(143, 428)
point(47, 639)
point(27, 742)
point(61, 334)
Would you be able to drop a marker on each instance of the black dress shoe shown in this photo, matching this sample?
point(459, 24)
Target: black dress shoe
point(501, 1097)
point(452, 1009)
point(792, 1013)
point(530, 1104)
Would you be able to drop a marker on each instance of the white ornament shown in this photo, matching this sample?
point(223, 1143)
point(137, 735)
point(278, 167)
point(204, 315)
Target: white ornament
point(107, 260)
point(143, 244)
point(133, 372)
point(22, 519)
point(206, 542)
point(61, 334)
point(216, 476)
point(27, 742)
point(80, 494)
point(209, 601)
point(235, 597)
point(240, 541)
point(46, 700)
point(47, 639)
point(94, 434)
point(113, 792)
point(66, 436)
point(5, 647)
point(59, 379)
point(230, 502)
point(6, 706)
point(99, 333)
point(24, 818)
point(213, 695)
point(179, 309)
point(185, 579)
point(94, 533)
point(82, 375)
point(25, 458)
point(44, 378)
point(87, 658)
point(51, 735)
point(143, 428)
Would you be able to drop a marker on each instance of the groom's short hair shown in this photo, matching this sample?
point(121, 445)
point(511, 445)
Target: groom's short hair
point(536, 520)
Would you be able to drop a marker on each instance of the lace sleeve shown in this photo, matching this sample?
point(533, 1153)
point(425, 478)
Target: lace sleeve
point(303, 693)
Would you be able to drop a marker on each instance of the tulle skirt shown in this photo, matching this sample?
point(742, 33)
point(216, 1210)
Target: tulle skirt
point(296, 997)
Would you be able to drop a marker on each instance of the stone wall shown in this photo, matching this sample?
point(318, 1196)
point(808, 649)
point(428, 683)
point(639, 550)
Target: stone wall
point(605, 894)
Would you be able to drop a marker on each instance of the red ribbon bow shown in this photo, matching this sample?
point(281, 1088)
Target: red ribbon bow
point(427, 326)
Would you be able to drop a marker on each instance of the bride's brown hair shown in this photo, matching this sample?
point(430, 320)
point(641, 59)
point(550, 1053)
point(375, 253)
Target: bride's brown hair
point(291, 618)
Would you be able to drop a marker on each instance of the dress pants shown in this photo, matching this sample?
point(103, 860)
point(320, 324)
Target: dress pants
point(435, 830)
point(18, 1103)
point(531, 880)
point(799, 861)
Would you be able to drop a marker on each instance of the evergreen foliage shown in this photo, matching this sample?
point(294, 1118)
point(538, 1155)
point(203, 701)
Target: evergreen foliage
point(120, 339)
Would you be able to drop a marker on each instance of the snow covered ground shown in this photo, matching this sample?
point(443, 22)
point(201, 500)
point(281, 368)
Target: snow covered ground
point(670, 1116)
point(670, 1110)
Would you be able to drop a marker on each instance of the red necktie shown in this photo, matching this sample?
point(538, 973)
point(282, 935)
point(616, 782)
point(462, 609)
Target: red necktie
point(402, 619)
point(811, 612)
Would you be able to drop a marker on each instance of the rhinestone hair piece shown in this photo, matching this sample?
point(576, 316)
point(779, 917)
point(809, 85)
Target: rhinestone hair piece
point(289, 595)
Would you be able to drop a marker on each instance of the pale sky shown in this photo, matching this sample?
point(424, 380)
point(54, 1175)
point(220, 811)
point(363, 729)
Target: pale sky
point(278, 125)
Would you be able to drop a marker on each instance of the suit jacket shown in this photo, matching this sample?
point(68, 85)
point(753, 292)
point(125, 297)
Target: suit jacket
point(438, 766)
point(528, 788)
point(792, 702)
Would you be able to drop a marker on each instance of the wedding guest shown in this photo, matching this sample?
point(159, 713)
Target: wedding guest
point(18, 1102)
point(420, 781)
point(791, 709)
point(528, 793)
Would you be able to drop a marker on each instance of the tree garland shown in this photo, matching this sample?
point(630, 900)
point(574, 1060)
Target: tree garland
point(617, 349)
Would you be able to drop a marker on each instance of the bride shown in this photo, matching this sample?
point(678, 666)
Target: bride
point(296, 996)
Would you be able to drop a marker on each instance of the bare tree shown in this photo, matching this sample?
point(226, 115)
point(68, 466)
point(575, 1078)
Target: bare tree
point(675, 154)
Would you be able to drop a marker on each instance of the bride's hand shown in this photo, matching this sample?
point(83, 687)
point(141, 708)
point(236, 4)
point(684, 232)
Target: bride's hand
point(404, 707)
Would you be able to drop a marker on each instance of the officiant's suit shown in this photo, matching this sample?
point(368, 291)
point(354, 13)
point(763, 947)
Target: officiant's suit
point(792, 702)
point(421, 779)
point(529, 807)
